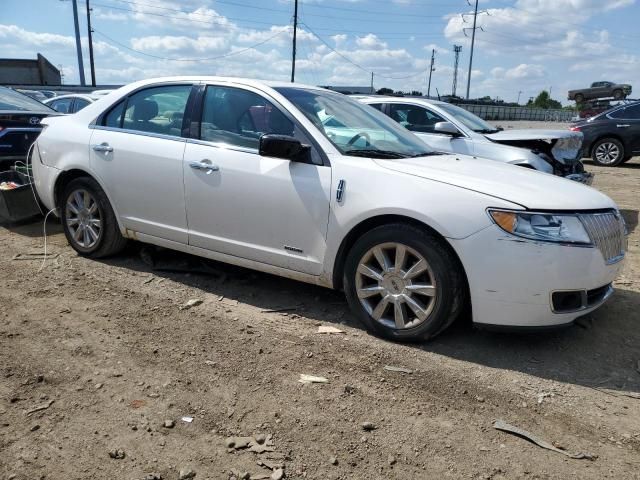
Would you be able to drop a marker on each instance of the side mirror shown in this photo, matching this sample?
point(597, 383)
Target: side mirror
point(447, 128)
point(284, 146)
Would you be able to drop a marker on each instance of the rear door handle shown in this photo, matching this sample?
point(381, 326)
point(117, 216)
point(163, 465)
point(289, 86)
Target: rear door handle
point(205, 165)
point(103, 147)
point(625, 125)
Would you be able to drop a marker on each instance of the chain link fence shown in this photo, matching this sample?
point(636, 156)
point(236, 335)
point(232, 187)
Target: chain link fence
point(499, 112)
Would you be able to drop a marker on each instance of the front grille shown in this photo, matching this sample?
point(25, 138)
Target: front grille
point(607, 232)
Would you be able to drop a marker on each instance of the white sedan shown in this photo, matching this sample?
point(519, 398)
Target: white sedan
point(247, 173)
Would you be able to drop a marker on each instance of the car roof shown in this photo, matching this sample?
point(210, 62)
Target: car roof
point(212, 78)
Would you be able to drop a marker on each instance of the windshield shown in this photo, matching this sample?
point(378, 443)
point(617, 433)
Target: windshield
point(467, 118)
point(14, 101)
point(354, 128)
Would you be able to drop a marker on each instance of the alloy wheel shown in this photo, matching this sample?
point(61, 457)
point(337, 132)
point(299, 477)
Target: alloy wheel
point(396, 285)
point(83, 218)
point(607, 153)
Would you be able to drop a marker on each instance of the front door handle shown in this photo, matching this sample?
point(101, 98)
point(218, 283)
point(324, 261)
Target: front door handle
point(205, 165)
point(103, 147)
point(625, 125)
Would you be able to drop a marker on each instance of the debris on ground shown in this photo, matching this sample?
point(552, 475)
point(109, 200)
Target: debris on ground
point(505, 427)
point(543, 395)
point(277, 474)
point(329, 329)
point(194, 302)
point(391, 368)
point(283, 309)
point(169, 424)
point(333, 460)
point(368, 426)
point(153, 476)
point(187, 419)
point(186, 474)
point(312, 379)
point(35, 256)
point(255, 444)
point(42, 406)
point(117, 454)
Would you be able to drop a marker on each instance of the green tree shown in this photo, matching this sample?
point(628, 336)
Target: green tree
point(544, 100)
point(384, 91)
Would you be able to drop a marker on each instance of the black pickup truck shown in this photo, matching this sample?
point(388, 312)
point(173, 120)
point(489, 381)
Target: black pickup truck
point(600, 90)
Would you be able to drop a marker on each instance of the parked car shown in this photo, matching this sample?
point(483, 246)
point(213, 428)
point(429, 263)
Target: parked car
point(71, 103)
point(612, 137)
point(35, 94)
point(449, 128)
point(246, 173)
point(600, 90)
point(20, 118)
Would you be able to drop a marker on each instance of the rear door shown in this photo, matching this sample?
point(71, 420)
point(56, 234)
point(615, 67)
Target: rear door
point(136, 151)
point(627, 123)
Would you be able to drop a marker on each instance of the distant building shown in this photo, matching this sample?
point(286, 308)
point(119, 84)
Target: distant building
point(349, 90)
point(17, 71)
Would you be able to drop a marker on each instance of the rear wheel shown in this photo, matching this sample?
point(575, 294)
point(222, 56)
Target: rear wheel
point(88, 219)
point(617, 94)
point(579, 98)
point(608, 152)
point(403, 283)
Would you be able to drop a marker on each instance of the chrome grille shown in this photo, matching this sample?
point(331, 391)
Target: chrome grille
point(607, 232)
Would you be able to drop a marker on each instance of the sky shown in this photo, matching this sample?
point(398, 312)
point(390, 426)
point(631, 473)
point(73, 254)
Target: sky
point(522, 47)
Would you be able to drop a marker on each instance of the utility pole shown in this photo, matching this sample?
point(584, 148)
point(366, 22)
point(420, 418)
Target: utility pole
point(519, 93)
point(456, 49)
point(293, 52)
point(473, 40)
point(372, 91)
point(90, 31)
point(78, 44)
point(431, 70)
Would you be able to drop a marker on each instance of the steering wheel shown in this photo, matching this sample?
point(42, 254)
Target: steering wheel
point(355, 138)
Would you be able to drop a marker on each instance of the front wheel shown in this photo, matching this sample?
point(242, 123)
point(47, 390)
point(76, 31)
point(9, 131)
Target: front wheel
point(403, 283)
point(88, 219)
point(618, 95)
point(608, 152)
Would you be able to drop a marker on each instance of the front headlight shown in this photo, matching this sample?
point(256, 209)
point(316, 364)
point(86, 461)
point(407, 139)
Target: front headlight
point(546, 227)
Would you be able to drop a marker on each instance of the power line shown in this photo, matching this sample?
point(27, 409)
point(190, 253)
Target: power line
point(230, 54)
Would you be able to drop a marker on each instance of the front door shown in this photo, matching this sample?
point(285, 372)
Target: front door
point(137, 152)
point(421, 121)
point(239, 203)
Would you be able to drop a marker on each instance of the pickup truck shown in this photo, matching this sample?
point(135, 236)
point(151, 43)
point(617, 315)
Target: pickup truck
point(600, 90)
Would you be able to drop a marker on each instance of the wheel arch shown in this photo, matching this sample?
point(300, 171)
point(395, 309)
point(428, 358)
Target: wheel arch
point(67, 176)
point(369, 224)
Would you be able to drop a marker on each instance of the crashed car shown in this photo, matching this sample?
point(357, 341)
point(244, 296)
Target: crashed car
point(449, 128)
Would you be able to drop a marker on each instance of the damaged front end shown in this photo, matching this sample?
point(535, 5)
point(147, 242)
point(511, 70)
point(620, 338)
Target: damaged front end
point(561, 149)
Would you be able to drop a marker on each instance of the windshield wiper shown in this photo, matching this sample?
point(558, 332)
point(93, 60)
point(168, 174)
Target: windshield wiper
point(426, 154)
point(487, 130)
point(372, 152)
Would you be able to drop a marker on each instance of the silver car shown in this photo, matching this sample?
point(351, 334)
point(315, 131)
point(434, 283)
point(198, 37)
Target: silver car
point(449, 128)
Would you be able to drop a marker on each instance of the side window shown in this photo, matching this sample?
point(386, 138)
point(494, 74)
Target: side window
point(113, 119)
point(63, 105)
point(377, 106)
point(632, 112)
point(620, 113)
point(80, 104)
point(239, 117)
point(157, 110)
point(415, 118)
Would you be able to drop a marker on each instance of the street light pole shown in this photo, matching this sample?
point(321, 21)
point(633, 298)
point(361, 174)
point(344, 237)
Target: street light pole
point(78, 44)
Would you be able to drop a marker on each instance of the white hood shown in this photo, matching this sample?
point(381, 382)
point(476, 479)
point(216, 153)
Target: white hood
point(529, 188)
point(531, 134)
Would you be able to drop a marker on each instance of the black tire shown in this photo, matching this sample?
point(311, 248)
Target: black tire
point(450, 286)
point(109, 240)
point(617, 94)
point(608, 143)
point(579, 98)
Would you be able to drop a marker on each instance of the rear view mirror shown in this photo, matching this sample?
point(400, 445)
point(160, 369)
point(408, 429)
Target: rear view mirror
point(447, 128)
point(284, 146)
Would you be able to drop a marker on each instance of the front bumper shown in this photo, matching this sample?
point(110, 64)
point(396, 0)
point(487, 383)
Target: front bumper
point(512, 280)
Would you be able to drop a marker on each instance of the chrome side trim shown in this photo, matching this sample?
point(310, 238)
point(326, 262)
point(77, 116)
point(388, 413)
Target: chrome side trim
point(138, 132)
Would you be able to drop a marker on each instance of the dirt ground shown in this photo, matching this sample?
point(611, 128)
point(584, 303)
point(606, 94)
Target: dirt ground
point(95, 356)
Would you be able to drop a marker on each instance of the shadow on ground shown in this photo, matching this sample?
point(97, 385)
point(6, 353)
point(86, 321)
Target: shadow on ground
point(601, 352)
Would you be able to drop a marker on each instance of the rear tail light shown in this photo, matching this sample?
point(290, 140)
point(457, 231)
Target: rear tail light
point(575, 129)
